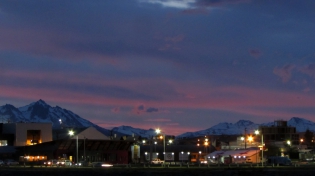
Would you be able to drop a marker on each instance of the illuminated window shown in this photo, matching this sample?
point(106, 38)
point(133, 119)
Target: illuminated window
point(3, 142)
point(33, 137)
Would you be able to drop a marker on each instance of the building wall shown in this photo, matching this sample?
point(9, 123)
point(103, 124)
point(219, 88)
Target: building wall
point(20, 131)
point(91, 133)
point(280, 132)
point(9, 128)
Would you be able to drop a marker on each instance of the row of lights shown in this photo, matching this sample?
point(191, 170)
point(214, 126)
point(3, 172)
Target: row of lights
point(146, 153)
point(32, 157)
point(155, 142)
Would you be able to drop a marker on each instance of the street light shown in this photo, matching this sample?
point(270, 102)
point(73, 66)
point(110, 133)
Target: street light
point(170, 141)
point(262, 147)
point(206, 144)
point(157, 132)
point(250, 138)
point(182, 156)
point(155, 146)
point(242, 138)
point(71, 133)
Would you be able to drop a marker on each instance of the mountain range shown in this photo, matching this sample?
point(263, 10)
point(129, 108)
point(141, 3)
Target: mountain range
point(39, 111)
point(239, 127)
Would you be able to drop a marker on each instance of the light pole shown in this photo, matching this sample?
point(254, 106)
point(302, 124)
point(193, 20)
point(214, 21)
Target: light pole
point(262, 147)
point(199, 157)
point(182, 156)
point(146, 155)
point(170, 143)
point(242, 138)
point(206, 144)
point(71, 133)
point(245, 138)
point(157, 132)
point(155, 146)
point(84, 149)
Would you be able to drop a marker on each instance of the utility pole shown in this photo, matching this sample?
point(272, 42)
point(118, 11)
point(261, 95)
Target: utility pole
point(245, 138)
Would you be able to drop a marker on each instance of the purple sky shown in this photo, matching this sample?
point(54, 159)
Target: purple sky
point(180, 65)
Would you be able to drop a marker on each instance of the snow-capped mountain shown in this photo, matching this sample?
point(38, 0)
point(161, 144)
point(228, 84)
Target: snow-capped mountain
point(128, 130)
point(41, 112)
point(224, 128)
point(239, 128)
point(301, 124)
point(9, 113)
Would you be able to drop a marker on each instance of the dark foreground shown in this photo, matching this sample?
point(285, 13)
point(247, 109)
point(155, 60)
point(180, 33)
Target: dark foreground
point(158, 171)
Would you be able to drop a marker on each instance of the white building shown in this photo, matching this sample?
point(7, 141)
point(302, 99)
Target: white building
point(28, 133)
point(250, 155)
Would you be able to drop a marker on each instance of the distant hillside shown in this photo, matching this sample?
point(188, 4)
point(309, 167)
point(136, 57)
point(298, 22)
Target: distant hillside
point(239, 128)
point(39, 111)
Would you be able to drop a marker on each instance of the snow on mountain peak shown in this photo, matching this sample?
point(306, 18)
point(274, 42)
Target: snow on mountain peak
point(301, 124)
point(244, 123)
point(128, 130)
point(41, 112)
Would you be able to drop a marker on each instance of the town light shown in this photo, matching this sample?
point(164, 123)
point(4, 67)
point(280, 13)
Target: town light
point(262, 147)
point(71, 133)
point(158, 131)
point(250, 138)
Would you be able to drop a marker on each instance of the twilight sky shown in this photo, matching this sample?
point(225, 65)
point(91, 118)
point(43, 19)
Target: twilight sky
point(181, 65)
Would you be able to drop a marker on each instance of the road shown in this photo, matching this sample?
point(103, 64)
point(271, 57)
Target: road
point(173, 170)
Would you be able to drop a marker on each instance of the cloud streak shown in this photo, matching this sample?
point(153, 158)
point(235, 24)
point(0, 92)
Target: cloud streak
point(285, 72)
point(182, 65)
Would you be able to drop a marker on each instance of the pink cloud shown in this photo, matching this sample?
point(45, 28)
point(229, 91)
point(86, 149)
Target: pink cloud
point(37, 42)
point(238, 99)
point(309, 70)
point(116, 110)
point(203, 96)
point(158, 120)
point(285, 72)
point(307, 89)
point(171, 42)
point(255, 53)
